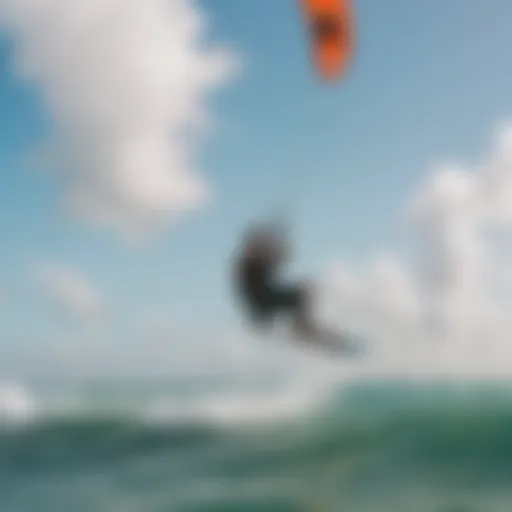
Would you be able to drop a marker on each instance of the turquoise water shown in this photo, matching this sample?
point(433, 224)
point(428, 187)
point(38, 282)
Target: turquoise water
point(368, 448)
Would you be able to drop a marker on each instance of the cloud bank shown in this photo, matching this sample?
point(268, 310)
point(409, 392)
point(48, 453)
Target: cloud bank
point(126, 83)
point(445, 311)
point(440, 310)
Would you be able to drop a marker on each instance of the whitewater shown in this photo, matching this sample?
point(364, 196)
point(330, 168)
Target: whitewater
point(373, 446)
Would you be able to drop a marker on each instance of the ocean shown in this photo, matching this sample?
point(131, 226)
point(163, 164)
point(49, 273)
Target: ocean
point(369, 446)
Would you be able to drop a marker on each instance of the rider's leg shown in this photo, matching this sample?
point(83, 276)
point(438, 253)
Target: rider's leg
point(297, 300)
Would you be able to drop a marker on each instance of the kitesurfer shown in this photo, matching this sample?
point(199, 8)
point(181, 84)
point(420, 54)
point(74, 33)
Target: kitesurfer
point(263, 253)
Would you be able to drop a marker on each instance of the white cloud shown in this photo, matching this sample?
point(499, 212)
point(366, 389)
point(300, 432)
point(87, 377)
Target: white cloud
point(74, 292)
point(126, 83)
point(446, 311)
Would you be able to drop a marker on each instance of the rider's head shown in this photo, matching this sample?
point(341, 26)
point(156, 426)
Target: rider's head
point(262, 241)
point(257, 237)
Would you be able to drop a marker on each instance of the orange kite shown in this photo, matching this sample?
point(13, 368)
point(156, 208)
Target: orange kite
point(331, 27)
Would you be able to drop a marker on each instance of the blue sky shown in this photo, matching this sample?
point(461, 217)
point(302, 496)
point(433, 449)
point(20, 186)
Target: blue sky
point(430, 82)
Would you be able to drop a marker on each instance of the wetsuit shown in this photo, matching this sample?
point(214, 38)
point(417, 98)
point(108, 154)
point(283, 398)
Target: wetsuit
point(263, 295)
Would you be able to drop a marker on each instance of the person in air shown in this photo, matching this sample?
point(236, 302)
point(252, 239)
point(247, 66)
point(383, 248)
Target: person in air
point(265, 295)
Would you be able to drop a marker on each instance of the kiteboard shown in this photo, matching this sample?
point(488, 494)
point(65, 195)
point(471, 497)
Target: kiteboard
point(343, 344)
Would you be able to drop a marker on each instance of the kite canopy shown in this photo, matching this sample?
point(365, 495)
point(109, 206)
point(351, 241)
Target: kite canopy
point(331, 28)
